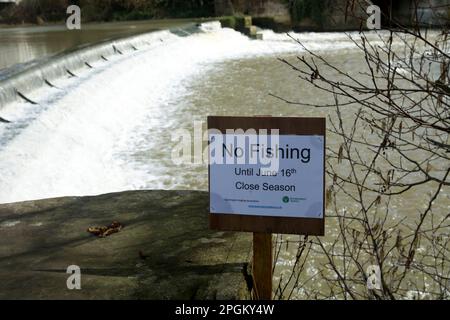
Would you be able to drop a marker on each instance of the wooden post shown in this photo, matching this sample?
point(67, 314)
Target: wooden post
point(262, 265)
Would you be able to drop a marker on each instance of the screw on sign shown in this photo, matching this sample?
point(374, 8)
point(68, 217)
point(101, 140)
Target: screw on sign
point(266, 175)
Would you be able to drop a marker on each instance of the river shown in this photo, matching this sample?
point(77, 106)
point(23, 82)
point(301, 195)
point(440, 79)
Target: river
point(111, 128)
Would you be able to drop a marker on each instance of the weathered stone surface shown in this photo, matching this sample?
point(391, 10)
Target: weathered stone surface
point(180, 258)
point(334, 15)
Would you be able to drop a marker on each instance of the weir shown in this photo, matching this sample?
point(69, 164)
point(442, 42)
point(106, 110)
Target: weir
point(19, 84)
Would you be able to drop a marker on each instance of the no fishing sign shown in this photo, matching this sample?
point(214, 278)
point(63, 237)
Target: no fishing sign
point(267, 174)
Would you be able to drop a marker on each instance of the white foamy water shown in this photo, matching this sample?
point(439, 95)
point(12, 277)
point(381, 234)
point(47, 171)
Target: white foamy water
point(79, 140)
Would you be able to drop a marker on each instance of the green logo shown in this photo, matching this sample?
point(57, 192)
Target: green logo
point(285, 199)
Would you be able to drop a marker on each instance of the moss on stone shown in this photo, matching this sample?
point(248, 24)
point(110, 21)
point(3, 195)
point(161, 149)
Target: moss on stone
point(228, 22)
point(164, 251)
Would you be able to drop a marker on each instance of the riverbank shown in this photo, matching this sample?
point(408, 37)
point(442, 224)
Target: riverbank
point(278, 15)
point(30, 11)
point(164, 251)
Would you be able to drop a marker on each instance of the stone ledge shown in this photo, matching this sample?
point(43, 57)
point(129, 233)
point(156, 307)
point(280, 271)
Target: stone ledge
point(180, 258)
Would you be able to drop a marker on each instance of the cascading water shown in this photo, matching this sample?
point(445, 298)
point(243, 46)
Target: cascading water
point(95, 107)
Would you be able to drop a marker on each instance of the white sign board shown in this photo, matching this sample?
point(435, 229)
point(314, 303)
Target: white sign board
point(282, 177)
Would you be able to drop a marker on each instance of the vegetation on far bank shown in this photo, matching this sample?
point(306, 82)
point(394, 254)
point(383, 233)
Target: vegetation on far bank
point(51, 11)
point(39, 11)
